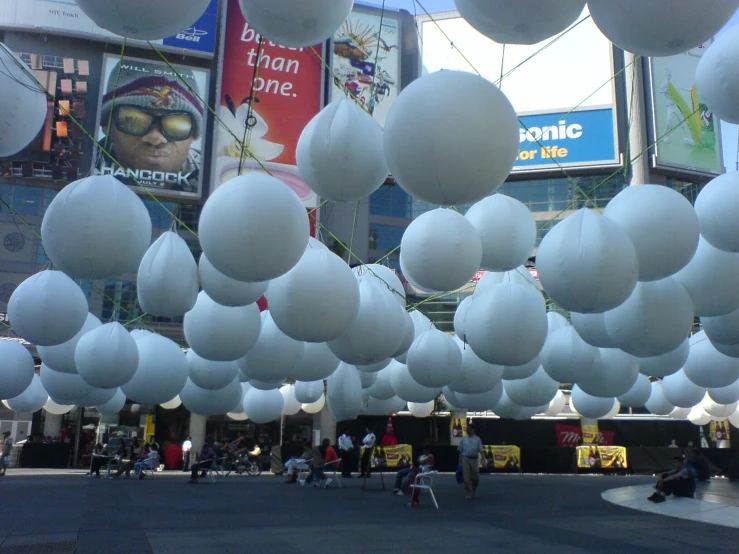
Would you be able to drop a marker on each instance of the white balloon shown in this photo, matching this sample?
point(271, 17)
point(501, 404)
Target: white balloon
point(555, 321)
point(587, 263)
point(167, 281)
point(461, 154)
point(61, 357)
point(209, 374)
point(409, 335)
point(476, 376)
point(592, 329)
point(657, 402)
point(25, 102)
point(30, 400)
point(722, 329)
point(98, 397)
point(375, 406)
point(172, 404)
point(519, 276)
point(96, 228)
point(734, 419)
point(513, 372)
point(227, 291)
point(681, 391)
point(725, 395)
point(221, 333)
point(297, 300)
point(407, 388)
point(680, 413)
point(533, 391)
point(114, 405)
point(731, 350)
point(718, 84)
point(481, 401)
point(64, 388)
point(344, 392)
point(593, 407)
point(654, 320)
point(440, 250)
point(459, 316)
point(434, 360)
point(423, 409)
point(566, 357)
point(265, 385)
point(137, 334)
point(613, 412)
point(506, 408)
point(317, 362)
point(374, 368)
point(613, 375)
point(107, 357)
point(520, 21)
point(421, 323)
point(507, 325)
point(340, 153)
point(206, 402)
point(507, 230)
point(162, 371)
point(556, 405)
point(47, 309)
point(718, 410)
point(307, 392)
point(16, 368)
point(707, 367)
point(698, 416)
point(385, 276)
point(665, 364)
point(144, 19)
point(709, 281)
point(296, 23)
point(367, 379)
point(254, 228)
point(291, 405)
point(664, 28)
point(382, 388)
point(662, 225)
point(57, 409)
point(275, 355)
point(637, 395)
point(314, 407)
point(377, 331)
point(237, 416)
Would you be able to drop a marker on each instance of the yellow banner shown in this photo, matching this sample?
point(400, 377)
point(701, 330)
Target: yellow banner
point(607, 457)
point(589, 433)
point(391, 457)
point(502, 457)
point(458, 425)
point(720, 431)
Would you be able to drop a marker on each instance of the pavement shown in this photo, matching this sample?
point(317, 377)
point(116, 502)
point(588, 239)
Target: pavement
point(53, 511)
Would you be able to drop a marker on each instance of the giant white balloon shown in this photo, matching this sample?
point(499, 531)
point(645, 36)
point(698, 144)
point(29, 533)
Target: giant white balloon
point(725, 395)
point(221, 333)
point(307, 392)
point(662, 225)
point(61, 356)
point(208, 402)
point(698, 416)
point(114, 405)
point(434, 360)
point(586, 405)
point(707, 367)
point(30, 400)
point(681, 391)
point(507, 325)
point(25, 102)
point(423, 409)
point(344, 392)
point(274, 356)
point(507, 230)
point(296, 23)
point(718, 410)
point(254, 228)
point(440, 250)
point(709, 280)
point(161, 373)
point(48, 308)
point(298, 299)
point(654, 320)
point(718, 84)
point(227, 291)
point(16, 368)
point(57, 409)
point(566, 357)
point(385, 275)
point(209, 374)
point(476, 375)
point(376, 406)
point(96, 228)
point(176, 402)
point(461, 154)
point(613, 375)
point(637, 395)
point(587, 263)
point(506, 408)
point(556, 405)
point(592, 329)
point(722, 329)
point(520, 276)
point(665, 364)
point(407, 388)
point(66, 388)
point(317, 362)
point(340, 153)
point(409, 335)
point(520, 21)
point(314, 407)
point(482, 401)
point(715, 205)
point(382, 389)
point(657, 402)
point(107, 357)
point(533, 391)
point(513, 372)
point(367, 379)
point(664, 28)
point(459, 316)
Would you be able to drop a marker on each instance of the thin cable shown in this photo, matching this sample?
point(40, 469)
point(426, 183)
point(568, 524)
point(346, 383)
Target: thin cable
point(248, 122)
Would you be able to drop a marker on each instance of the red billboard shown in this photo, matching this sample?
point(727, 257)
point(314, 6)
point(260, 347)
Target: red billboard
point(571, 435)
point(269, 94)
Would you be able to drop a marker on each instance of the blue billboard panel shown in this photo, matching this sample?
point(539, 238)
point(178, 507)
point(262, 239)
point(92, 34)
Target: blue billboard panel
point(201, 36)
point(567, 139)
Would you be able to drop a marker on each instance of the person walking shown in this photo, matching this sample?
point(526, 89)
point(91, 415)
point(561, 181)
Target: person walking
point(5, 455)
point(368, 443)
point(345, 453)
point(186, 448)
point(469, 452)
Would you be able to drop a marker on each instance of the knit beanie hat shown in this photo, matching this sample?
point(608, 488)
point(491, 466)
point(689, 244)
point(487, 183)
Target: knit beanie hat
point(153, 86)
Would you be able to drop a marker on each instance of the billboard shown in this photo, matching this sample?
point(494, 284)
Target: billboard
point(151, 125)
point(365, 61)
point(267, 110)
point(685, 132)
point(66, 18)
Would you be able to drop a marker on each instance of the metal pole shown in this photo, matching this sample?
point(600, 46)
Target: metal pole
point(637, 116)
point(77, 432)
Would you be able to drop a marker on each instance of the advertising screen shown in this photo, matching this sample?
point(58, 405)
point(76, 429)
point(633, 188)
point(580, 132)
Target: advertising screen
point(151, 125)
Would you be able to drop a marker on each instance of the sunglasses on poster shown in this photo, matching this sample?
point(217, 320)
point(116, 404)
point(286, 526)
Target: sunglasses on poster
point(138, 122)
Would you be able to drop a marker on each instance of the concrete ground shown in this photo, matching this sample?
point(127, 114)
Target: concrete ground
point(44, 511)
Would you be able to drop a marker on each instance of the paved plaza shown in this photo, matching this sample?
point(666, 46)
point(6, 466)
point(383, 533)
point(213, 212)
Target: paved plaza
point(44, 511)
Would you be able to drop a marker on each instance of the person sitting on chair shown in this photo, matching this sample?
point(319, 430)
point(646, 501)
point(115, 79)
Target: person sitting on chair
point(150, 461)
point(207, 457)
point(126, 468)
point(403, 477)
point(294, 464)
point(322, 455)
point(680, 481)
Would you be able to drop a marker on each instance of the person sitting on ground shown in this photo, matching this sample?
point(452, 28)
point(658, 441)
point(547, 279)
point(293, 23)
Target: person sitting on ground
point(322, 455)
point(694, 459)
point(207, 458)
point(680, 481)
point(126, 468)
point(99, 459)
point(404, 476)
point(294, 464)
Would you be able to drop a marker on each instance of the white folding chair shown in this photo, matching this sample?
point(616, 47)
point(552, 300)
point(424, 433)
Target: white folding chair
point(424, 481)
point(333, 467)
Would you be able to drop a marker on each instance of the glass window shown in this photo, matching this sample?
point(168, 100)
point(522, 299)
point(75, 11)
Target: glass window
point(391, 201)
